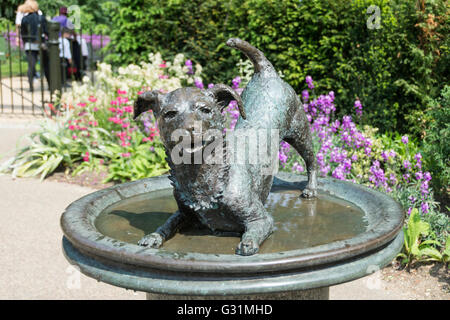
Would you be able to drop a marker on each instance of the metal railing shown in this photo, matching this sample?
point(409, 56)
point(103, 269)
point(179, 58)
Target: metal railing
point(54, 72)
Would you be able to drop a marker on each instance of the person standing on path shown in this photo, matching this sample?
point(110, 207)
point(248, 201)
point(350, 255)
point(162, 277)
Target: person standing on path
point(33, 20)
point(65, 53)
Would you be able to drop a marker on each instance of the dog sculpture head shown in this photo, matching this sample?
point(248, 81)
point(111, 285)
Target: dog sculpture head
point(192, 110)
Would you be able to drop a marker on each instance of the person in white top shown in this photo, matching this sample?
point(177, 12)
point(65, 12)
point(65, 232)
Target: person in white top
point(65, 53)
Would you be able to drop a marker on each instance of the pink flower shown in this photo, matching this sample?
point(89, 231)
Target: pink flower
point(81, 104)
point(125, 125)
point(128, 109)
point(72, 127)
point(140, 92)
point(163, 65)
point(95, 109)
point(126, 155)
point(122, 100)
point(121, 91)
point(163, 76)
point(115, 120)
point(86, 157)
point(147, 139)
point(74, 137)
point(92, 99)
point(113, 103)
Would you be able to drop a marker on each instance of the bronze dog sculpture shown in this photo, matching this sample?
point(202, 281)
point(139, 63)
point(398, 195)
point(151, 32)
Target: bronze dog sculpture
point(228, 198)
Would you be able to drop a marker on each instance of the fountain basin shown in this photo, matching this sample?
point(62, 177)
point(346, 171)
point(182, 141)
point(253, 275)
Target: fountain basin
point(301, 268)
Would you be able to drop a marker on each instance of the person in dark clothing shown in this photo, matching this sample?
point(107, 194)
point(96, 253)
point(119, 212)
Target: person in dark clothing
point(33, 21)
point(76, 51)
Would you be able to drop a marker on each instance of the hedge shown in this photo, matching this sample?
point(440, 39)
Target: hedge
point(395, 70)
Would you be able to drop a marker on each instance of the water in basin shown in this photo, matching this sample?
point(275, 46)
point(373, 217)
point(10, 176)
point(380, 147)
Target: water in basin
point(299, 223)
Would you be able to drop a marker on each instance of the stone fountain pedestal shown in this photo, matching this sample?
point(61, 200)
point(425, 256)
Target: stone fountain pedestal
point(305, 273)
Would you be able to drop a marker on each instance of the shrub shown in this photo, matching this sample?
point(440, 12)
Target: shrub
point(394, 70)
point(436, 142)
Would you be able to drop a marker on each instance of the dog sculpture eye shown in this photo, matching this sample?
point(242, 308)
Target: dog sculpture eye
point(205, 110)
point(170, 114)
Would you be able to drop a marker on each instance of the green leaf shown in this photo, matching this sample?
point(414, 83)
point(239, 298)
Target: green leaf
point(430, 254)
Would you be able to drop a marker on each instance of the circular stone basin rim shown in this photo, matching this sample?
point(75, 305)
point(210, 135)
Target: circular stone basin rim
point(384, 215)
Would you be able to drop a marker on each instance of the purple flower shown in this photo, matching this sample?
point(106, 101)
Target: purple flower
point(358, 108)
point(407, 164)
point(282, 157)
point(419, 175)
point(405, 139)
point(424, 188)
point(393, 179)
point(427, 176)
point(309, 81)
point(305, 95)
point(235, 82)
point(324, 170)
point(285, 146)
point(188, 64)
point(297, 167)
point(210, 85)
point(199, 83)
point(338, 173)
point(424, 207)
point(418, 158)
point(331, 95)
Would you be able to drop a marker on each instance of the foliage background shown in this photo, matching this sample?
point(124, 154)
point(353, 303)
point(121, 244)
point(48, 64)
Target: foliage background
point(395, 70)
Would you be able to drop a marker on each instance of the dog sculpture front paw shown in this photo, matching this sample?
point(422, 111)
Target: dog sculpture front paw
point(247, 248)
point(153, 240)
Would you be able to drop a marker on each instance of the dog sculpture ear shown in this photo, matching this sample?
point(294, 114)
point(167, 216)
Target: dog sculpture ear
point(148, 100)
point(224, 94)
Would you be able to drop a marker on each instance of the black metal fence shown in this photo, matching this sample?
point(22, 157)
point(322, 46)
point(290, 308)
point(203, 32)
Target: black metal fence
point(54, 72)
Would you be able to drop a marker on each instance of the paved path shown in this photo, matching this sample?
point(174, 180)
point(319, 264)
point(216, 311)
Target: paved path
point(15, 96)
point(32, 265)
